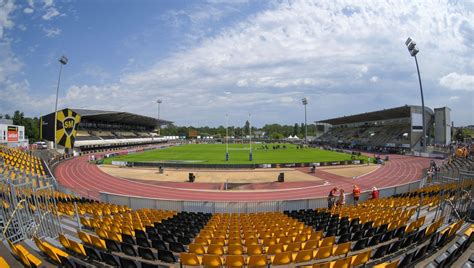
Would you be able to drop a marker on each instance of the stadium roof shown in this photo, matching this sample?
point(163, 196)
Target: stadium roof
point(398, 112)
point(119, 117)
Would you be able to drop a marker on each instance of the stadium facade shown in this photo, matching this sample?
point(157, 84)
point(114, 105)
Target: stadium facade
point(84, 130)
point(394, 129)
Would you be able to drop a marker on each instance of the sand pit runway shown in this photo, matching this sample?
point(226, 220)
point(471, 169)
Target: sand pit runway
point(233, 176)
point(208, 176)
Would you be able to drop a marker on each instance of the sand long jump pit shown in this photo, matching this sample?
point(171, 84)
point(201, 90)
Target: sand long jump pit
point(208, 175)
point(236, 179)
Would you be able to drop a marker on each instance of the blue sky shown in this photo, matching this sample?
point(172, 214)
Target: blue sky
point(208, 58)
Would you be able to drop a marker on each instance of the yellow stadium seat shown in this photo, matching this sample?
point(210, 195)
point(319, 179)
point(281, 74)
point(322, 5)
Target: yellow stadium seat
point(316, 235)
point(274, 249)
point(84, 237)
point(254, 249)
point(282, 258)
point(342, 249)
point(311, 244)
point(98, 243)
point(211, 261)
point(361, 258)
point(215, 249)
point(64, 241)
point(257, 261)
point(304, 256)
point(251, 241)
point(196, 249)
point(293, 247)
point(3, 263)
point(77, 247)
point(328, 241)
point(234, 261)
point(341, 263)
point(269, 241)
point(235, 250)
point(393, 264)
point(323, 252)
point(218, 241)
point(190, 259)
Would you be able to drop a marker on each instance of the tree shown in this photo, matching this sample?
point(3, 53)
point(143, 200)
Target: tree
point(7, 116)
point(459, 136)
point(18, 118)
point(246, 128)
point(296, 131)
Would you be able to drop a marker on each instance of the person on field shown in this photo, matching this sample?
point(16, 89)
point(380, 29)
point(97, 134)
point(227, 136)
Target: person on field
point(342, 198)
point(375, 193)
point(356, 194)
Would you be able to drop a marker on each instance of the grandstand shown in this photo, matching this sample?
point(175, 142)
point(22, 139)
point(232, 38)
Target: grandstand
point(42, 227)
point(98, 130)
point(394, 129)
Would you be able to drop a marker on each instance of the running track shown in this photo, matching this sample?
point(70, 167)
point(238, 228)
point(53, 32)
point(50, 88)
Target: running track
point(88, 180)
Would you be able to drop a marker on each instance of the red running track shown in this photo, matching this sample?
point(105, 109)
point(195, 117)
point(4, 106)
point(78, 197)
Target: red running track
point(88, 180)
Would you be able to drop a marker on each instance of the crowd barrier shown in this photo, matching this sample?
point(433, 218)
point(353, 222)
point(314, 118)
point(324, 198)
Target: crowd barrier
point(136, 202)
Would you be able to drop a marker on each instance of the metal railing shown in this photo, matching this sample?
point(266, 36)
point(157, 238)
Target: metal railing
point(137, 202)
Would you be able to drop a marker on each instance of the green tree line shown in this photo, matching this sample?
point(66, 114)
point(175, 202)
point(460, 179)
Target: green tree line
point(274, 131)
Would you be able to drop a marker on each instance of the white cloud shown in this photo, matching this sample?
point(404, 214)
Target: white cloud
point(455, 81)
point(9, 63)
point(302, 49)
point(6, 8)
point(48, 3)
point(331, 52)
point(454, 98)
point(51, 13)
point(28, 10)
point(52, 32)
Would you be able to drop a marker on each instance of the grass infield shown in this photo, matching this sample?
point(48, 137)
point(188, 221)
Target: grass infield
point(238, 154)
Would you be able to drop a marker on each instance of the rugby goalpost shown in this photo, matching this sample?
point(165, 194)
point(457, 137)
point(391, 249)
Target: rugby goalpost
point(237, 149)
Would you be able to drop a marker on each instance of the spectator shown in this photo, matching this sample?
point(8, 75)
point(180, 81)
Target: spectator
point(332, 197)
point(356, 193)
point(342, 198)
point(375, 193)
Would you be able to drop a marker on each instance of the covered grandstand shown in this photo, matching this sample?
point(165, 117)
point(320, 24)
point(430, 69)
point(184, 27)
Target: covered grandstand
point(97, 129)
point(394, 129)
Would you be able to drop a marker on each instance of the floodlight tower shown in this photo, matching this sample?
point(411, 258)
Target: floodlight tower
point(159, 102)
point(305, 102)
point(226, 137)
point(62, 61)
point(250, 138)
point(411, 45)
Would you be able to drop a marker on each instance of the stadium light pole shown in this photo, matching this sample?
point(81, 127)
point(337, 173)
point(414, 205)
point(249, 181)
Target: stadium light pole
point(305, 102)
point(159, 101)
point(226, 137)
point(62, 61)
point(250, 136)
point(411, 45)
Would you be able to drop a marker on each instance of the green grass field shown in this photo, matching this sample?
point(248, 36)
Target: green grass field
point(238, 154)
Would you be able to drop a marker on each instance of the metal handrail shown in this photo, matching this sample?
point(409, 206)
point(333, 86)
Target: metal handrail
point(5, 228)
point(42, 216)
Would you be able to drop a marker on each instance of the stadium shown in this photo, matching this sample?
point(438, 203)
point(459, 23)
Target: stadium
point(96, 186)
